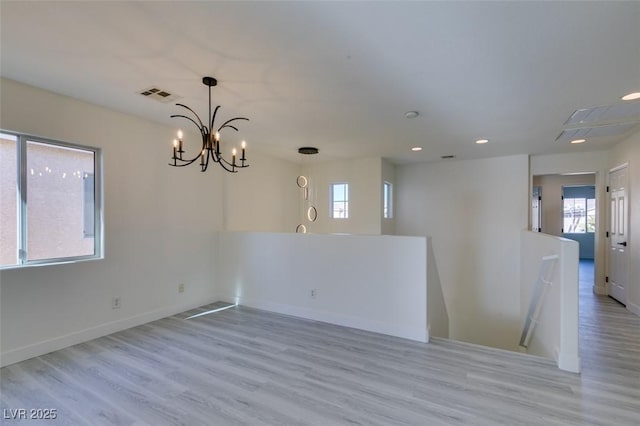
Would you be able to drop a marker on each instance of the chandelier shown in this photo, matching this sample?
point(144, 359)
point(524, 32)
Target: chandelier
point(211, 143)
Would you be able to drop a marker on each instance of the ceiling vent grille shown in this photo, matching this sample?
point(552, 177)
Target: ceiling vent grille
point(159, 94)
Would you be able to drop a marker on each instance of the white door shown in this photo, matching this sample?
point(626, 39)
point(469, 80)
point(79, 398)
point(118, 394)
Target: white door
point(619, 231)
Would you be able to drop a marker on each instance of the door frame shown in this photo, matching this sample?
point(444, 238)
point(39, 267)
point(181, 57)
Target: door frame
point(628, 230)
point(600, 243)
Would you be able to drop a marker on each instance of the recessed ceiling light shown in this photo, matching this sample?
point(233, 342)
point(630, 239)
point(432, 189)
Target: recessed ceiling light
point(578, 140)
point(411, 114)
point(416, 148)
point(631, 96)
point(481, 141)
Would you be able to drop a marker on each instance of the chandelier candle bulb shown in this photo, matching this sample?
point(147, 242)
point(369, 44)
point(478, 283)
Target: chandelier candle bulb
point(180, 143)
point(175, 147)
point(233, 157)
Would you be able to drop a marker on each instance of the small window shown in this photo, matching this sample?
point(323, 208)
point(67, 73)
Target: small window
point(8, 199)
point(50, 209)
point(339, 200)
point(387, 200)
point(575, 215)
point(579, 215)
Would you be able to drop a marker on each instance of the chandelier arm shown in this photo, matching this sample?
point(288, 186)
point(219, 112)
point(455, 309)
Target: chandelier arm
point(225, 124)
point(213, 117)
point(202, 132)
point(185, 162)
point(194, 113)
point(222, 162)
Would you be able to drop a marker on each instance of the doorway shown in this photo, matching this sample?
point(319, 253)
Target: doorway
point(570, 219)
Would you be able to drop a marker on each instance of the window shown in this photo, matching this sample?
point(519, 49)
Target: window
point(387, 200)
point(579, 212)
point(339, 200)
point(51, 201)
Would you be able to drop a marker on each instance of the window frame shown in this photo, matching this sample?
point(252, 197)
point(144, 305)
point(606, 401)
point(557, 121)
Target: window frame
point(387, 200)
point(22, 140)
point(332, 200)
point(585, 214)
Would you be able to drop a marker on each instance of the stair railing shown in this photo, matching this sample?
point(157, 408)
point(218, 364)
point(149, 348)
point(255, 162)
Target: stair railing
point(537, 298)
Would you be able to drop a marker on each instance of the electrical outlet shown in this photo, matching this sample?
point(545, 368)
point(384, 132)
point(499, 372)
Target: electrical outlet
point(116, 303)
point(314, 293)
point(181, 288)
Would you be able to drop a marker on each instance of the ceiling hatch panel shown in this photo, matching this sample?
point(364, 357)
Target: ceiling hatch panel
point(595, 132)
point(628, 111)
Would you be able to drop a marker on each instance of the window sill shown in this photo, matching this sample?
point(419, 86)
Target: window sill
point(50, 262)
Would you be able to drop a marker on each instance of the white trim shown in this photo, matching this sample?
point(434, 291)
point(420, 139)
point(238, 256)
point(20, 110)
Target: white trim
point(570, 363)
point(620, 167)
point(44, 347)
point(632, 307)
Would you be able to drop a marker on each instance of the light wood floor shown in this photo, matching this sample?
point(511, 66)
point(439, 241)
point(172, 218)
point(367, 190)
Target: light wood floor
point(244, 366)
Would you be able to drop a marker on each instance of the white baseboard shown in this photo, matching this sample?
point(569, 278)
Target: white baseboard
point(632, 307)
point(570, 363)
point(61, 342)
point(420, 334)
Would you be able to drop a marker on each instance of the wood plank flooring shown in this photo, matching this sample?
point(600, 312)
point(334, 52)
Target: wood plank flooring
point(247, 367)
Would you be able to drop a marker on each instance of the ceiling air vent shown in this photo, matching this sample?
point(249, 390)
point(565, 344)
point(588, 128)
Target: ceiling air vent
point(159, 95)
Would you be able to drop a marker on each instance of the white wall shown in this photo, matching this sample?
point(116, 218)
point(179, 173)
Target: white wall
point(628, 151)
point(555, 333)
point(375, 283)
point(474, 212)
point(160, 227)
point(365, 195)
point(438, 316)
point(582, 162)
point(590, 162)
point(262, 197)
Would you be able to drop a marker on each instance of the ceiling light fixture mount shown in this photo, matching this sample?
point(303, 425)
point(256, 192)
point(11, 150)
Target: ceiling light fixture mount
point(211, 142)
point(308, 150)
point(411, 114)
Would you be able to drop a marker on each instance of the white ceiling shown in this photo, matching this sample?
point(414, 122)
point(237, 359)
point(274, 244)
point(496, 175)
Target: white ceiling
point(341, 75)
